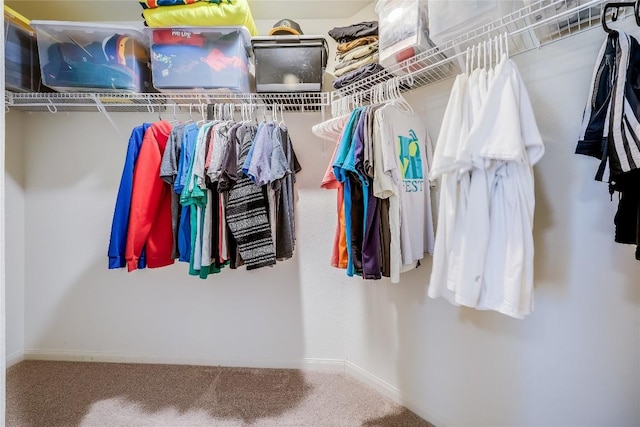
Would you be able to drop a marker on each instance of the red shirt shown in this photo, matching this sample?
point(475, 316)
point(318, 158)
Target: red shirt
point(150, 213)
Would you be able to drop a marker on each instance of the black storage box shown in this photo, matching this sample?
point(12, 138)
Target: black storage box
point(289, 63)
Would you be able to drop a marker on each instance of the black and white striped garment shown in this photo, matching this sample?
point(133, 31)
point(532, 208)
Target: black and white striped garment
point(246, 213)
point(611, 123)
point(624, 129)
point(611, 130)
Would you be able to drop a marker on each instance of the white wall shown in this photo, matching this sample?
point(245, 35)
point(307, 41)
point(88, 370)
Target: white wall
point(75, 306)
point(576, 360)
point(15, 234)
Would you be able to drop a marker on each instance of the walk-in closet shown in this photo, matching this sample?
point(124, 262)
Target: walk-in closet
point(391, 353)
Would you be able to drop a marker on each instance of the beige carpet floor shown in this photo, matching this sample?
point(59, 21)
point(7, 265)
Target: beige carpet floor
point(104, 394)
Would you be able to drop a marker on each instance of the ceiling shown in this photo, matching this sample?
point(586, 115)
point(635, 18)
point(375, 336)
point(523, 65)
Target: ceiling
point(130, 10)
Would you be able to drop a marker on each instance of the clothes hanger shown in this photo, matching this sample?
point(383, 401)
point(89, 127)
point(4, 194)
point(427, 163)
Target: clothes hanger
point(396, 97)
point(175, 119)
point(506, 45)
point(204, 116)
point(226, 115)
point(282, 123)
point(232, 112)
point(490, 53)
point(332, 128)
point(150, 109)
point(616, 6)
point(484, 51)
point(254, 114)
point(190, 114)
point(473, 58)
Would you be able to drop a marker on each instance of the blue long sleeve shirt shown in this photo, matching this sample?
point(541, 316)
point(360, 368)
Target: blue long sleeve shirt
point(118, 240)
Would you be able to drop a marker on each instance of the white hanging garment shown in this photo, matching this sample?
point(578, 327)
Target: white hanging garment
point(463, 171)
point(472, 228)
point(454, 129)
point(507, 133)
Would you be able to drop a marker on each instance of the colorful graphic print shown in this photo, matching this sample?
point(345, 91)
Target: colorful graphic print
point(409, 153)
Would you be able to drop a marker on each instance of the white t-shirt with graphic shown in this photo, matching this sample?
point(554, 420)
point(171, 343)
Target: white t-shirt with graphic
point(405, 150)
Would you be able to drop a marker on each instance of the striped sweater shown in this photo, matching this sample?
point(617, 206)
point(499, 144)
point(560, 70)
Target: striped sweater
point(246, 212)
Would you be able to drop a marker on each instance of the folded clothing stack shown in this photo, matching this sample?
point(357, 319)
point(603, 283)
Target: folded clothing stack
point(198, 13)
point(357, 48)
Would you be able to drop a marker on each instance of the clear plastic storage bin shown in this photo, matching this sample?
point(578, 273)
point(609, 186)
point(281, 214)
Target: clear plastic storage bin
point(21, 65)
point(87, 56)
point(210, 59)
point(289, 63)
point(403, 30)
point(450, 19)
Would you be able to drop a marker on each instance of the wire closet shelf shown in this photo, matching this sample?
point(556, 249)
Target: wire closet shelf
point(160, 102)
point(531, 27)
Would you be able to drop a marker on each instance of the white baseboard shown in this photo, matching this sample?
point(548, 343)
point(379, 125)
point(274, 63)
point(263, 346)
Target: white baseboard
point(14, 358)
point(395, 394)
point(112, 357)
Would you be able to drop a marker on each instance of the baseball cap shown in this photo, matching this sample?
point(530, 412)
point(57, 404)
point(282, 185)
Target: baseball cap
point(286, 26)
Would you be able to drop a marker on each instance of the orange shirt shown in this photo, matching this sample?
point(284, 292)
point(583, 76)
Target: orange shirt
point(339, 256)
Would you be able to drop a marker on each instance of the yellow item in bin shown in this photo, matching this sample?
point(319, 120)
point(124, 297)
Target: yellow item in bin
point(17, 19)
point(202, 14)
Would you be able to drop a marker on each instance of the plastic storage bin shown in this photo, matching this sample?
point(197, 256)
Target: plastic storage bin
point(289, 63)
point(403, 30)
point(201, 58)
point(21, 65)
point(450, 19)
point(87, 56)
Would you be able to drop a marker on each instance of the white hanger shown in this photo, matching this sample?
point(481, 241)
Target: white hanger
point(490, 53)
point(506, 44)
point(175, 119)
point(397, 99)
point(484, 50)
point(282, 123)
point(473, 57)
point(232, 111)
point(202, 109)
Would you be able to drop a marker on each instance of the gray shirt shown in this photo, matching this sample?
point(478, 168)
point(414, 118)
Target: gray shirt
point(168, 173)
